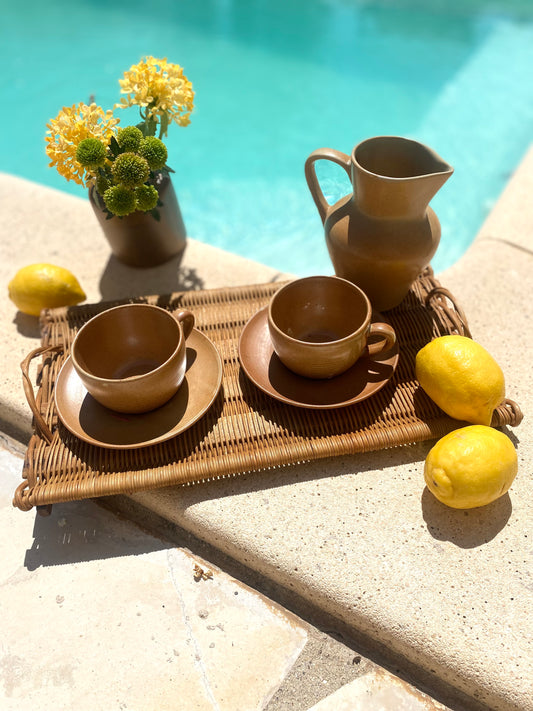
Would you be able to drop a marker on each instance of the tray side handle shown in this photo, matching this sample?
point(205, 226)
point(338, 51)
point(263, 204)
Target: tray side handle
point(456, 314)
point(28, 388)
point(507, 413)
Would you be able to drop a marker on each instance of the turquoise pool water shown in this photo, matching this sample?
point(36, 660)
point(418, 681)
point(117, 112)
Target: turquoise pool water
point(275, 79)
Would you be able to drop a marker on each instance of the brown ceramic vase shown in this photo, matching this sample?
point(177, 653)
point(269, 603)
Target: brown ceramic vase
point(139, 239)
point(383, 234)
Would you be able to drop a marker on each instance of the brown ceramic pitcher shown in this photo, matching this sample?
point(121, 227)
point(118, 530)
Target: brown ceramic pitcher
point(383, 234)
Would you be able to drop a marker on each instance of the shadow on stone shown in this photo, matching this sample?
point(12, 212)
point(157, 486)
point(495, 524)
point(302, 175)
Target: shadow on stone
point(119, 281)
point(27, 326)
point(466, 528)
point(82, 531)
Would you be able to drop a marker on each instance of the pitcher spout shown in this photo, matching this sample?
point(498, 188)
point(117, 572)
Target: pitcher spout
point(396, 176)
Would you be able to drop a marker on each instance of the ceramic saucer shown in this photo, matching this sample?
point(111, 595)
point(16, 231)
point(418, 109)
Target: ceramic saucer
point(267, 372)
point(95, 424)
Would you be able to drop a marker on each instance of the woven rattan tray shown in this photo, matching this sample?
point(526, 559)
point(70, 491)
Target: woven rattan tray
point(245, 429)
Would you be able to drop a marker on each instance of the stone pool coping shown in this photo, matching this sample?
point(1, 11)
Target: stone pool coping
point(443, 592)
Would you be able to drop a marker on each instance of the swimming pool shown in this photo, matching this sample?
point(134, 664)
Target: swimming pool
point(275, 79)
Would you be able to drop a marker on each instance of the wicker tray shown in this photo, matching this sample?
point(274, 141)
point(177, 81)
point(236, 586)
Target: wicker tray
point(244, 430)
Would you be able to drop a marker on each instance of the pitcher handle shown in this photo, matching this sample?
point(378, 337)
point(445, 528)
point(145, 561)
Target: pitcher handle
point(312, 181)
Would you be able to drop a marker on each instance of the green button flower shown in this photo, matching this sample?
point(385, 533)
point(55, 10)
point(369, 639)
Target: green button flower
point(155, 152)
point(120, 200)
point(90, 153)
point(129, 138)
point(130, 170)
point(146, 197)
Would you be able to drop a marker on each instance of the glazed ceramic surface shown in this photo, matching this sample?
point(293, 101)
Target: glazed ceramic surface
point(139, 239)
point(93, 423)
point(383, 234)
point(131, 358)
point(264, 368)
point(320, 325)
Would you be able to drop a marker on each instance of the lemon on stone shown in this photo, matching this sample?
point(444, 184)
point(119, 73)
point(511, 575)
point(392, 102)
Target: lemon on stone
point(461, 377)
point(41, 286)
point(471, 467)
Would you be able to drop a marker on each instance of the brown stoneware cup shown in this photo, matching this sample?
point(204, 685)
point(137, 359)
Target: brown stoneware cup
point(132, 358)
point(320, 326)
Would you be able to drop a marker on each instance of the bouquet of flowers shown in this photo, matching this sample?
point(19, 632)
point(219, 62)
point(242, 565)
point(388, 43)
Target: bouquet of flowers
point(123, 166)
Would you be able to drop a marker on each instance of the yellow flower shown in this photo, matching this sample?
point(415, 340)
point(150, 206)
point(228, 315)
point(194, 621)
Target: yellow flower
point(161, 88)
point(71, 126)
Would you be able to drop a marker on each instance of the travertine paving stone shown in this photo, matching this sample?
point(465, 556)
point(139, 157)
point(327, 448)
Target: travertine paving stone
point(99, 615)
point(377, 691)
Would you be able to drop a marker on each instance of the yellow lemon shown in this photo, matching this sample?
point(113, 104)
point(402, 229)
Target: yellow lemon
point(44, 286)
point(461, 377)
point(471, 467)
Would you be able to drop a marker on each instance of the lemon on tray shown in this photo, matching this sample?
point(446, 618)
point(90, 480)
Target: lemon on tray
point(461, 377)
point(40, 286)
point(471, 467)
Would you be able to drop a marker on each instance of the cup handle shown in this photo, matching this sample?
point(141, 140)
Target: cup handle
point(186, 319)
point(311, 177)
point(388, 340)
